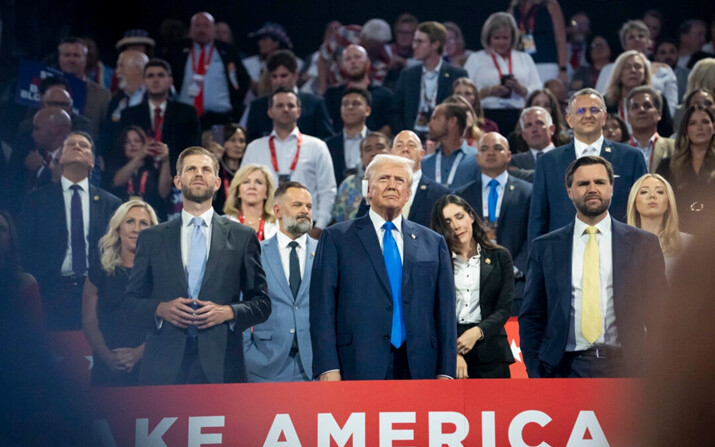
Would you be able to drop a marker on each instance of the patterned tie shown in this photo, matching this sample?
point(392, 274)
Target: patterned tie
point(591, 319)
point(197, 264)
point(492, 200)
point(294, 273)
point(391, 254)
point(79, 244)
point(200, 70)
point(158, 123)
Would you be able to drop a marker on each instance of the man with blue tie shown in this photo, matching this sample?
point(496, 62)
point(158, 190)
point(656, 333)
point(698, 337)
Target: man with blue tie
point(550, 206)
point(197, 283)
point(279, 350)
point(590, 286)
point(382, 292)
point(502, 200)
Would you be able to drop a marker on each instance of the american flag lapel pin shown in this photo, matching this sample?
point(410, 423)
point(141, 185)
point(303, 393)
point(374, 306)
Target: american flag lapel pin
point(413, 236)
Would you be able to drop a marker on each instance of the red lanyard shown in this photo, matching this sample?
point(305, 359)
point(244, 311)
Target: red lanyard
point(496, 64)
point(200, 70)
point(226, 186)
point(261, 224)
point(142, 185)
point(274, 157)
point(530, 16)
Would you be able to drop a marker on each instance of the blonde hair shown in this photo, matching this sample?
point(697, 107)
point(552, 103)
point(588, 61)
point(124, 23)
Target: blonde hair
point(495, 22)
point(613, 91)
point(669, 235)
point(702, 75)
point(232, 207)
point(110, 245)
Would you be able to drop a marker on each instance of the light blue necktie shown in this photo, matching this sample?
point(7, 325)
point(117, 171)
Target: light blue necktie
point(197, 264)
point(492, 200)
point(391, 254)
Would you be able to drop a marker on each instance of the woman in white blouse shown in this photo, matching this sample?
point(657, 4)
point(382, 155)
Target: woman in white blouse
point(484, 282)
point(503, 75)
point(250, 200)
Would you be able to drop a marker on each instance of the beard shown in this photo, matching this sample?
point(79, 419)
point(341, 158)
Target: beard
point(592, 211)
point(297, 226)
point(197, 195)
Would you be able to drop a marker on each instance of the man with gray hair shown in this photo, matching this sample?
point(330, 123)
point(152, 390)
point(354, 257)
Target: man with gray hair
point(550, 205)
point(382, 294)
point(645, 109)
point(537, 129)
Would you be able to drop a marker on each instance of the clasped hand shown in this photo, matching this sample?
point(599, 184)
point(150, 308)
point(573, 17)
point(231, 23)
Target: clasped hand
point(181, 313)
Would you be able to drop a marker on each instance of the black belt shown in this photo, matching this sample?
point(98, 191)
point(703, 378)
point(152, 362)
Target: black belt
point(74, 279)
point(599, 353)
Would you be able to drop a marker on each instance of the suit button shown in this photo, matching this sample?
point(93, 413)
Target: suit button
point(295, 307)
point(388, 308)
point(292, 331)
point(387, 337)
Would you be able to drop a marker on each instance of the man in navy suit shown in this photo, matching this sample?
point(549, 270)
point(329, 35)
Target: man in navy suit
point(550, 205)
point(382, 300)
point(279, 350)
point(355, 108)
point(196, 285)
point(425, 192)
point(314, 120)
point(503, 205)
point(422, 87)
point(60, 228)
point(590, 286)
point(537, 129)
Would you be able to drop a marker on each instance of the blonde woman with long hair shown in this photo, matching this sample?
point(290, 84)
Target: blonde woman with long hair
point(250, 200)
point(117, 345)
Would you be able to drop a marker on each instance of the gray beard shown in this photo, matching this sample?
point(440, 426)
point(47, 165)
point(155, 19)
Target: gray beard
point(297, 227)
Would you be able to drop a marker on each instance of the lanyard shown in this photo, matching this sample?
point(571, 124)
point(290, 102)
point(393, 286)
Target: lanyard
point(652, 147)
point(531, 17)
point(226, 186)
point(452, 171)
point(194, 66)
point(496, 64)
point(261, 224)
point(274, 157)
point(142, 185)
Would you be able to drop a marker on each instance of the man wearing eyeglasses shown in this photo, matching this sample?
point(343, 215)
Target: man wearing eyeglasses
point(551, 207)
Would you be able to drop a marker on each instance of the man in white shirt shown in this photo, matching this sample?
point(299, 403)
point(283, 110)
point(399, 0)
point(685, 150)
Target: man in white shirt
point(355, 108)
point(292, 156)
point(645, 108)
point(196, 284)
point(279, 350)
point(537, 129)
point(589, 286)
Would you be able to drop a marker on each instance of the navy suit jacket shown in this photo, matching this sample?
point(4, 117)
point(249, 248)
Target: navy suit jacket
point(407, 92)
point(314, 119)
point(382, 113)
point(336, 146)
point(428, 193)
point(351, 303)
point(233, 276)
point(638, 284)
point(525, 163)
point(551, 207)
point(267, 346)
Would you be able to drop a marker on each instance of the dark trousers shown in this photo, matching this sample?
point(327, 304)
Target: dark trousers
point(478, 369)
point(398, 368)
point(590, 363)
point(191, 372)
point(62, 303)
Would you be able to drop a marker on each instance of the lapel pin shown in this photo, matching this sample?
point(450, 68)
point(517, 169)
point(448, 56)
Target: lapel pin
point(446, 75)
point(312, 253)
point(423, 187)
point(96, 198)
point(511, 187)
point(413, 236)
point(488, 261)
point(608, 149)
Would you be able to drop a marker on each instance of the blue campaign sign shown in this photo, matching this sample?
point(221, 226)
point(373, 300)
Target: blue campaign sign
point(30, 76)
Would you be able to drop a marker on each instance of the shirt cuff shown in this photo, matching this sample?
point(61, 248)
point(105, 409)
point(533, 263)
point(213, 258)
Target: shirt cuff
point(159, 322)
point(444, 376)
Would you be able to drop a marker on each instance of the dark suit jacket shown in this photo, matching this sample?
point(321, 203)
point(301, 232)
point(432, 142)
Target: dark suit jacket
point(551, 207)
point(525, 163)
point(314, 119)
point(351, 303)
point(407, 92)
point(428, 193)
point(382, 113)
point(233, 268)
point(336, 146)
point(232, 65)
point(181, 127)
point(638, 283)
point(496, 287)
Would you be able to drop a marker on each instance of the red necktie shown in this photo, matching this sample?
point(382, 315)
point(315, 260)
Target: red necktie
point(200, 70)
point(158, 123)
point(575, 59)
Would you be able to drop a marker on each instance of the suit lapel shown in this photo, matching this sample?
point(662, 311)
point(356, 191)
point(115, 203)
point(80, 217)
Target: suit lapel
point(607, 150)
point(419, 201)
point(366, 233)
point(562, 256)
point(486, 266)
point(56, 207)
point(172, 245)
point(274, 264)
point(622, 249)
point(310, 247)
point(219, 235)
point(506, 202)
point(445, 83)
point(409, 248)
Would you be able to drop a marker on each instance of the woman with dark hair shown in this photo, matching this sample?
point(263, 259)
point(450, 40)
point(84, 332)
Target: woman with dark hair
point(615, 129)
point(118, 346)
point(484, 282)
point(145, 173)
point(233, 147)
point(19, 290)
point(598, 55)
point(542, 98)
point(691, 170)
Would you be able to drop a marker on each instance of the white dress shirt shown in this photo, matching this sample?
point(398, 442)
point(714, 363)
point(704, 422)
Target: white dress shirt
point(378, 222)
point(314, 168)
point(535, 152)
point(466, 285)
point(186, 231)
point(416, 177)
point(284, 250)
point(482, 71)
point(582, 148)
point(67, 194)
point(429, 83)
point(351, 148)
point(604, 236)
point(502, 179)
point(217, 97)
point(647, 150)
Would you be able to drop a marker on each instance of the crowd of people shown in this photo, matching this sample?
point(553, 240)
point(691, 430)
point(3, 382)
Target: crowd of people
point(377, 211)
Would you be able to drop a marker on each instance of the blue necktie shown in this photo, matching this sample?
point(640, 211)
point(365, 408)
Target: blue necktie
point(197, 264)
point(492, 200)
point(391, 254)
point(79, 247)
point(294, 274)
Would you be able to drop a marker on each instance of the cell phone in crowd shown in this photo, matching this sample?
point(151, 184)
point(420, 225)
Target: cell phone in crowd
point(217, 133)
